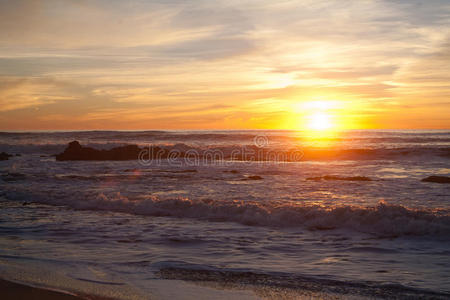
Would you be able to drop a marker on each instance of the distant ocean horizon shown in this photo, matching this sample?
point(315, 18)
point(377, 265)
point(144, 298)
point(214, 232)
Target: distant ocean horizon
point(205, 129)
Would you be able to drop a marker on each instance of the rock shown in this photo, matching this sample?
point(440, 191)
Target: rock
point(437, 179)
point(8, 177)
point(5, 156)
point(232, 171)
point(254, 177)
point(186, 171)
point(333, 177)
point(353, 178)
point(75, 151)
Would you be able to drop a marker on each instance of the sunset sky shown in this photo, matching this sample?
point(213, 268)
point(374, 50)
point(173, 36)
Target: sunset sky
point(225, 64)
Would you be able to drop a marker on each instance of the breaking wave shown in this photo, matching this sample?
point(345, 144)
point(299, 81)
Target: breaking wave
point(381, 220)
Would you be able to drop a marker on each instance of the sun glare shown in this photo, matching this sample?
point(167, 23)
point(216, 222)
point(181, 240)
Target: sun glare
point(320, 121)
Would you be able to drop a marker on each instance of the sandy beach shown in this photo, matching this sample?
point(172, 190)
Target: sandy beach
point(12, 290)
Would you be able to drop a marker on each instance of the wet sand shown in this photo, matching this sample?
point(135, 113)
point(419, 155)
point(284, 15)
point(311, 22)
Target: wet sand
point(16, 291)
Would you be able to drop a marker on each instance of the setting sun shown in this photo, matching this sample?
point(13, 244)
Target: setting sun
point(320, 121)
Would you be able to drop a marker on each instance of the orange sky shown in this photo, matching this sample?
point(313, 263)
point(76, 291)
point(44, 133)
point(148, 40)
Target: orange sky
point(246, 64)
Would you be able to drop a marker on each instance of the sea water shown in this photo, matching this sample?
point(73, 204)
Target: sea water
point(121, 225)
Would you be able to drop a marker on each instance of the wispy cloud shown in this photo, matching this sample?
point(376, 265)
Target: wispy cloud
point(100, 62)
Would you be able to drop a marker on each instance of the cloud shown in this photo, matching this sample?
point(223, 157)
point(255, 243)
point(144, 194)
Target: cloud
point(18, 93)
point(107, 59)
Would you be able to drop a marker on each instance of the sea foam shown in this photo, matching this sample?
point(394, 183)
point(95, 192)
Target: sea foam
point(381, 220)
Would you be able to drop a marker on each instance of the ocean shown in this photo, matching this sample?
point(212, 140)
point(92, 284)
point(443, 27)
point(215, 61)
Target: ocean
point(239, 214)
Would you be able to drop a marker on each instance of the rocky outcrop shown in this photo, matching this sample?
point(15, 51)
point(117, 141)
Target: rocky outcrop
point(9, 177)
point(5, 156)
point(437, 179)
point(332, 177)
point(75, 151)
point(231, 171)
point(253, 177)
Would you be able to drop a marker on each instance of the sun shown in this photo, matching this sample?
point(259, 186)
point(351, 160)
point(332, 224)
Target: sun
point(320, 121)
point(319, 118)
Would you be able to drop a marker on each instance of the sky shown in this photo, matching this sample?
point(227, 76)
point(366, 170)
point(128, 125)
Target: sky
point(224, 64)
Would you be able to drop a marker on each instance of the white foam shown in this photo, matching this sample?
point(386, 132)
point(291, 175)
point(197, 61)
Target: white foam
point(382, 219)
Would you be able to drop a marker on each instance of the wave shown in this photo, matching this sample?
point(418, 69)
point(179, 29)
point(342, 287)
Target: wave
point(226, 136)
point(286, 154)
point(381, 220)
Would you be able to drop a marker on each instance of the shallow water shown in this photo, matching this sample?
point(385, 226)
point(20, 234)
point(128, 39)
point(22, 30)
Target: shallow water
point(115, 224)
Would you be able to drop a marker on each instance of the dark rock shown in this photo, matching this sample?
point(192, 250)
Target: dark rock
point(332, 177)
point(13, 177)
point(232, 171)
point(186, 171)
point(254, 177)
point(321, 227)
point(437, 179)
point(352, 178)
point(75, 151)
point(5, 156)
